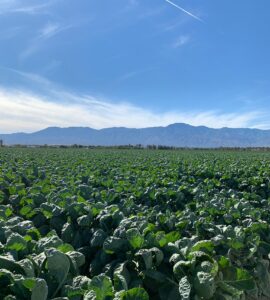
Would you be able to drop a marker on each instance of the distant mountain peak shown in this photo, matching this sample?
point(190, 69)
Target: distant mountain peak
point(177, 134)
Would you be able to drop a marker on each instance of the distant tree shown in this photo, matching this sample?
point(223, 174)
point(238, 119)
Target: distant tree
point(151, 147)
point(1, 143)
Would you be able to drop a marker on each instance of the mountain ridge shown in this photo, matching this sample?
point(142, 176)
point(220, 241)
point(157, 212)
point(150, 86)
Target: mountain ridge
point(177, 135)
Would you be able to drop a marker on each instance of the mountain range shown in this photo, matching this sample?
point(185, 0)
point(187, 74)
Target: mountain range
point(178, 135)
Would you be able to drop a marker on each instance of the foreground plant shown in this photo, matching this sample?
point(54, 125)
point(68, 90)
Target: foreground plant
point(106, 224)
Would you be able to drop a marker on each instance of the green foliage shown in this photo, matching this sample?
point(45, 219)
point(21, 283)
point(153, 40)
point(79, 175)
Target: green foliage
point(113, 245)
point(84, 224)
point(184, 288)
point(58, 266)
point(16, 242)
point(135, 238)
point(101, 287)
point(204, 285)
point(133, 294)
point(39, 290)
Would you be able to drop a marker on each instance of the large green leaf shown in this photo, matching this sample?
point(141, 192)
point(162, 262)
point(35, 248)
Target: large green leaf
point(133, 294)
point(98, 238)
point(134, 237)
point(204, 245)
point(77, 289)
point(78, 257)
point(145, 259)
point(28, 267)
point(157, 256)
point(40, 290)
point(181, 269)
point(100, 288)
point(58, 266)
point(121, 277)
point(16, 242)
point(113, 245)
point(52, 241)
point(239, 278)
point(11, 265)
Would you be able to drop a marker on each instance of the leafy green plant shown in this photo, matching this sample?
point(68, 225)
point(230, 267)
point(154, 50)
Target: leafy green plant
point(104, 224)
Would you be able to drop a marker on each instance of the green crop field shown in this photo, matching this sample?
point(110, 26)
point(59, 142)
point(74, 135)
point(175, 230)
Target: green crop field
point(134, 224)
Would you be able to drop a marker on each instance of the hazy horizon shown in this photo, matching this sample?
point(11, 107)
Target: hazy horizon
point(162, 126)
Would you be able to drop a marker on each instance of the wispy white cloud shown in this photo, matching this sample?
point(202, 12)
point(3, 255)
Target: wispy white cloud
point(25, 111)
point(31, 49)
point(30, 77)
point(33, 9)
point(134, 73)
point(51, 105)
point(172, 25)
point(128, 75)
point(181, 41)
point(185, 11)
point(52, 29)
point(25, 6)
point(48, 31)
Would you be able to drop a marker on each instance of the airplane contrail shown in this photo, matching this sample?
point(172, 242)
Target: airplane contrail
point(185, 11)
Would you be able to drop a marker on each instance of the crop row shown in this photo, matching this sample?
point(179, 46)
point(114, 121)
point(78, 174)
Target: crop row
point(110, 224)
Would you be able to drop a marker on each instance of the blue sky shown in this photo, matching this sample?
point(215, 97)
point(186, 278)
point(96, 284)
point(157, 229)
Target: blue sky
point(134, 63)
